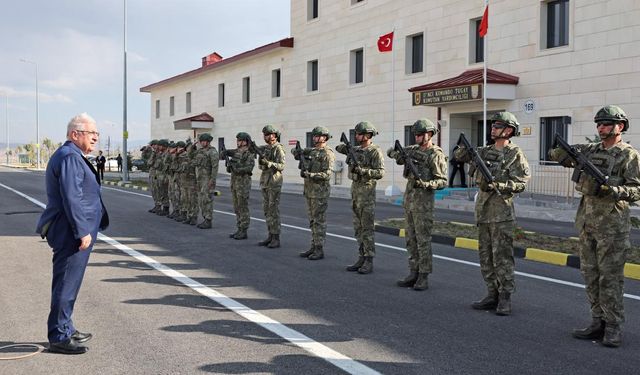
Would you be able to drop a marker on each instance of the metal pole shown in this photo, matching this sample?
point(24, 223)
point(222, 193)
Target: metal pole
point(6, 121)
point(393, 107)
point(125, 134)
point(37, 118)
point(484, 84)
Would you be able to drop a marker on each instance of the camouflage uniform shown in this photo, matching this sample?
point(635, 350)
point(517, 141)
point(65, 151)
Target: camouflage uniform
point(160, 180)
point(364, 178)
point(419, 202)
point(173, 183)
point(318, 168)
point(148, 155)
point(206, 161)
point(495, 214)
point(603, 222)
point(272, 165)
point(188, 187)
point(241, 165)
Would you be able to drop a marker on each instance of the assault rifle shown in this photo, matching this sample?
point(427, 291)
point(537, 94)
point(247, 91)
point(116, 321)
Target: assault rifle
point(582, 163)
point(256, 150)
point(351, 155)
point(223, 152)
point(408, 162)
point(479, 163)
point(300, 157)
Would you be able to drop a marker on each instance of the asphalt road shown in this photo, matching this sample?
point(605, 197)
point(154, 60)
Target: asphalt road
point(145, 320)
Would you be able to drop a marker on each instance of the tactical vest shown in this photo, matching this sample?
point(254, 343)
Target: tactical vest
point(609, 162)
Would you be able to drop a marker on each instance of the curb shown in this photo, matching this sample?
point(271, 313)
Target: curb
point(128, 186)
point(631, 270)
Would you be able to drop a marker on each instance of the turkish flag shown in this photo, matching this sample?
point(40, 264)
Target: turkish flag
point(484, 24)
point(385, 42)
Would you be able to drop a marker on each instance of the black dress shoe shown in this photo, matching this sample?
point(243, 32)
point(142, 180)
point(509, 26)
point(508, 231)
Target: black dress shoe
point(69, 346)
point(81, 337)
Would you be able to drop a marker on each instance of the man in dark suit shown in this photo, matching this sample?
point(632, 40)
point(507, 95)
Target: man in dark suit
point(70, 223)
point(101, 161)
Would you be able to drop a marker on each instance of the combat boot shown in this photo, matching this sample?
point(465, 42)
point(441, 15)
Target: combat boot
point(305, 254)
point(266, 241)
point(612, 335)
point(318, 253)
point(206, 224)
point(233, 235)
point(192, 221)
point(487, 303)
point(171, 215)
point(367, 266)
point(180, 218)
point(153, 210)
point(356, 266)
point(164, 211)
point(275, 241)
point(595, 331)
point(241, 235)
point(504, 304)
point(408, 281)
point(422, 283)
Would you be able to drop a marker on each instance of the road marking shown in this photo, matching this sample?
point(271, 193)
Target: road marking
point(454, 260)
point(337, 359)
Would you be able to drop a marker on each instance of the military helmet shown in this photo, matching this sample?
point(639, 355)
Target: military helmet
point(242, 136)
point(153, 142)
point(163, 142)
point(423, 126)
point(320, 130)
point(612, 113)
point(509, 119)
point(172, 144)
point(180, 144)
point(205, 137)
point(270, 129)
point(365, 127)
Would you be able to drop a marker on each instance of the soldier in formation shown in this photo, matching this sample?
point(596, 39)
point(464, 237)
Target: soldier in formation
point(495, 213)
point(603, 221)
point(317, 166)
point(241, 163)
point(206, 162)
point(172, 177)
point(148, 154)
point(429, 174)
point(160, 182)
point(364, 171)
point(188, 188)
point(271, 162)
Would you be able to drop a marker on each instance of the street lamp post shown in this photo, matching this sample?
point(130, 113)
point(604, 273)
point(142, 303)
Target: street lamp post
point(6, 121)
point(37, 111)
point(125, 133)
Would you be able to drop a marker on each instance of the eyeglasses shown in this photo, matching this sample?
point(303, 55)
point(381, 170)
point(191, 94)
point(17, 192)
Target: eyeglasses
point(498, 126)
point(91, 132)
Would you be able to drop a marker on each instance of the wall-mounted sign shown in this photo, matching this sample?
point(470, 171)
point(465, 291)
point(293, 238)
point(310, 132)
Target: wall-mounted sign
point(529, 106)
point(448, 95)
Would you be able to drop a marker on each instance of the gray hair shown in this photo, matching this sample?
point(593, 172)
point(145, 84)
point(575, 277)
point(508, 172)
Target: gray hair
point(78, 122)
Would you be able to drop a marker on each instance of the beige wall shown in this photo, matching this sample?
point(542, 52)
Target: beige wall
point(601, 65)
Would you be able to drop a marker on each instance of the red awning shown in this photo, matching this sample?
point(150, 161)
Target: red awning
point(201, 121)
point(470, 77)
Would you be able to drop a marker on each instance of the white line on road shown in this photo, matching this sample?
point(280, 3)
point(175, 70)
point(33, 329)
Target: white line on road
point(525, 274)
point(337, 359)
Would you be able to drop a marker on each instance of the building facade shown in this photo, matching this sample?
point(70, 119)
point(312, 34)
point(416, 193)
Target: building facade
point(553, 63)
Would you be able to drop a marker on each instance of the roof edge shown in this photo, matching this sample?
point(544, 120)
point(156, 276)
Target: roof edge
point(286, 43)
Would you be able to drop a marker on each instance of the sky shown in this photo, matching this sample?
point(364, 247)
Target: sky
point(78, 47)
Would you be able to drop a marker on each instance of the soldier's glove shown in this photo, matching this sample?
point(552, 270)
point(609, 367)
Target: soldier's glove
point(392, 153)
point(357, 170)
point(613, 191)
point(561, 156)
point(485, 186)
point(229, 169)
point(263, 162)
point(420, 184)
point(305, 174)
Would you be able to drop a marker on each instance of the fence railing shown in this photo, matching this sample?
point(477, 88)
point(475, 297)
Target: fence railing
point(551, 180)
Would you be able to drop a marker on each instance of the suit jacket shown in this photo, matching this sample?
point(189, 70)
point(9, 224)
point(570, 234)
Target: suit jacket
point(73, 193)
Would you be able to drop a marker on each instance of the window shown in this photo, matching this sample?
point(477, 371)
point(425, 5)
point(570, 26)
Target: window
point(188, 102)
point(414, 53)
point(157, 108)
point(557, 27)
point(356, 63)
point(312, 9)
point(409, 138)
point(172, 106)
point(476, 43)
point(549, 126)
point(354, 2)
point(310, 140)
point(275, 83)
point(246, 89)
point(312, 75)
point(221, 95)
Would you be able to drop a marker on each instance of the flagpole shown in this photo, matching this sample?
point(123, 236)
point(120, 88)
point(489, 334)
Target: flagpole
point(393, 106)
point(484, 83)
